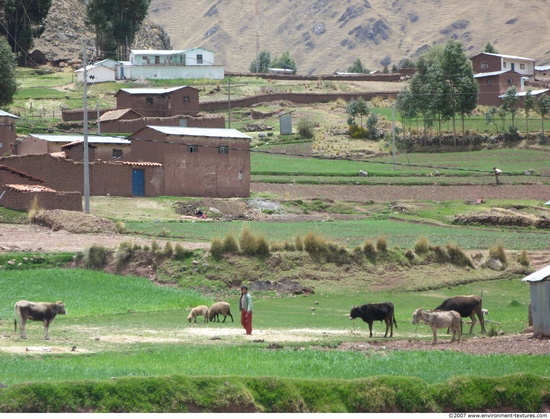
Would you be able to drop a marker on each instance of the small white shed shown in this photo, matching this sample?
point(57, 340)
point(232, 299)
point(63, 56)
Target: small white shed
point(539, 283)
point(99, 72)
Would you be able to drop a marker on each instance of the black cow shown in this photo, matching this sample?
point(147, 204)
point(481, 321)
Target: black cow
point(466, 306)
point(377, 311)
point(44, 312)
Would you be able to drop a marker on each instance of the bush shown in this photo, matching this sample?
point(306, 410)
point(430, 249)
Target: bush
point(155, 247)
point(497, 252)
point(305, 128)
point(523, 258)
point(457, 256)
point(298, 242)
point(120, 227)
point(123, 254)
point(421, 246)
point(95, 257)
point(315, 245)
point(216, 249)
point(180, 253)
point(168, 250)
point(382, 244)
point(441, 255)
point(230, 244)
point(370, 250)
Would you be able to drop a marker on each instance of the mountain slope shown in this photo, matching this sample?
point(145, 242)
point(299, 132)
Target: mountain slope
point(321, 35)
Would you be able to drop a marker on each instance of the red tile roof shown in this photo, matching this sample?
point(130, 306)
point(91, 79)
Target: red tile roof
point(20, 173)
point(28, 188)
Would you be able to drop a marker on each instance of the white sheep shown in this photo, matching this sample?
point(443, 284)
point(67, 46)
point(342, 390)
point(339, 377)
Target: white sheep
point(222, 308)
point(198, 311)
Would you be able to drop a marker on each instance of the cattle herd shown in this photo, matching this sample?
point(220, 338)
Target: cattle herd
point(448, 314)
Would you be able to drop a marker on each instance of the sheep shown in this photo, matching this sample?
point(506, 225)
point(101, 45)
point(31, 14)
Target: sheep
point(198, 311)
point(216, 309)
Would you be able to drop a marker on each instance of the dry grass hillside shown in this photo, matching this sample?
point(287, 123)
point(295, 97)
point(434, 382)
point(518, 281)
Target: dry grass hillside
point(321, 35)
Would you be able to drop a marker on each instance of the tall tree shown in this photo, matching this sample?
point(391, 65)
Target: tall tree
point(543, 109)
point(21, 21)
point(261, 63)
point(510, 103)
point(284, 61)
point(8, 82)
point(490, 48)
point(116, 23)
point(528, 106)
point(357, 67)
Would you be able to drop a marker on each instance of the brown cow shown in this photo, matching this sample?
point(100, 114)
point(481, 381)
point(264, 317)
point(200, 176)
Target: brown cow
point(466, 306)
point(44, 312)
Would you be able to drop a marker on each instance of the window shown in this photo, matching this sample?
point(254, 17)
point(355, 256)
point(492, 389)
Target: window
point(522, 66)
point(510, 82)
point(193, 148)
point(157, 59)
point(117, 154)
point(186, 99)
point(485, 64)
point(504, 64)
point(199, 58)
point(223, 149)
point(148, 100)
point(489, 82)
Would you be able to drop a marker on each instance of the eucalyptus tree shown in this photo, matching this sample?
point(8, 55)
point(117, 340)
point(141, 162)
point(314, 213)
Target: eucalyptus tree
point(406, 105)
point(261, 63)
point(116, 23)
point(510, 103)
point(357, 67)
point(21, 21)
point(490, 48)
point(529, 105)
point(8, 82)
point(543, 109)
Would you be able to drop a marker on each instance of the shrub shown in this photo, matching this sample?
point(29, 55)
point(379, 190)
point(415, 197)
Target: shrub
point(382, 244)
point(497, 252)
point(247, 242)
point(155, 247)
point(298, 242)
point(409, 254)
point(230, 244)
point(523, 258)
point(305, 128)
point(123, 254)
point(262, 247)
point(168, 250)
point(216, 249)
point(95, 257)
point(289, 246)
point(315, 245)
point(421, 246)
point(441, 255)
point(120, 227)
point(370, 250)
point(457, 256)
point(180, 253)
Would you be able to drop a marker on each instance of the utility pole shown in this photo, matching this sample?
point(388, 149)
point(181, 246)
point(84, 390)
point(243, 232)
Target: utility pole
point(257, 38)
point(86, 156)
point(229, 100)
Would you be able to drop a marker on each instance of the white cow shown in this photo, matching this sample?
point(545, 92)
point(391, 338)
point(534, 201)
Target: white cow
point(440, 320)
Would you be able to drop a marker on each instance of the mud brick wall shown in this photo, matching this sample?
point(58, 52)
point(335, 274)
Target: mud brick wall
point(134, 125)
point(23, 201)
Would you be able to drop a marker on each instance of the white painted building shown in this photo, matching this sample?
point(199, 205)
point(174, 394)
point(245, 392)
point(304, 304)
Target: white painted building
point(102, 71)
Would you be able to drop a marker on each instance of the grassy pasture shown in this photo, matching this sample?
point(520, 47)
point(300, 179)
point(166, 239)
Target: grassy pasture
point(142, 331)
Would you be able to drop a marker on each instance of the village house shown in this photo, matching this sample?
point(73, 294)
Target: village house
point(102, 71)
point(7, 132)
point(194, 63)
point(495, 73)
point(105, 148)
point(208, 162)
point(159, 102)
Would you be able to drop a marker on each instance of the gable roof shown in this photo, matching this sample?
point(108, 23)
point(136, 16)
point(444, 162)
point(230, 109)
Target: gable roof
point(539, 275)
point(200, 132)
point(117, 114)
point(108, 63)
point(533, 93)
point(157, 51)
point(152, 90)
point(4, 113)
point(94, 139)
point(492, 73)
point(510, 57)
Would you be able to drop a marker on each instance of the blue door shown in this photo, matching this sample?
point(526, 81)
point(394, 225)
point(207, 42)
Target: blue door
point(138, 182)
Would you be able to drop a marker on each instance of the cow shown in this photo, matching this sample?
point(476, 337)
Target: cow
point(466, 306)
point(438, 320)
point(376, 311)
point(44, 312)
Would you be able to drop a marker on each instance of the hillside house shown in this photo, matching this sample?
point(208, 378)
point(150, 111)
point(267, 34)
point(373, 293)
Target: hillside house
point(495, 73)
point(208, 162)
point(194, 63)
point(160, 102)
point(7, 132)
point(539, 284)
point(102, 71)
point(106, 148)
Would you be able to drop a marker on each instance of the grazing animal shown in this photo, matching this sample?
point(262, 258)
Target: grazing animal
point(377, 311)
point(466, 306)
point(44, 312)
point(438, 320)
point(198, 311)
point(216, 309)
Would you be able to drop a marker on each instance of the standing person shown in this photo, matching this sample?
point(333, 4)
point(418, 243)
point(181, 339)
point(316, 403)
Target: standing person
point(245, 305)
point(498, 172)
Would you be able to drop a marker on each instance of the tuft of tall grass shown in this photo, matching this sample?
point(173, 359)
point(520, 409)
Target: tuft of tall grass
point(35, 208)
point(123, 254)
point(497, 252)
point(95, 257)
point(216, 249)
point(230, 244)
point(382, 244)
point(457, 256)
point(523, 258)
point(421, 246)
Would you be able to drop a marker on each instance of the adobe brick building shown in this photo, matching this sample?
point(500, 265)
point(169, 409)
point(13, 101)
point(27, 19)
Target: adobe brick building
point(181, 100)
point(7, 132)
point(205, 162)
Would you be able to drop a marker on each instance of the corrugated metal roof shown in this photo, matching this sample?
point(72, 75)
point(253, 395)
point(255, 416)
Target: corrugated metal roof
point(511, 57)
point(542, 67)
point(490, 73)
point(533, 93)
point(539, 275)
point(70, 145)
point(4, 113)
point(93, 139)
point(157, 51)
point(151, 90)
point(29, 188)
point(200, 132)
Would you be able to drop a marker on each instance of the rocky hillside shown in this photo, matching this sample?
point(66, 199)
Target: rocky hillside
point(328, 35)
